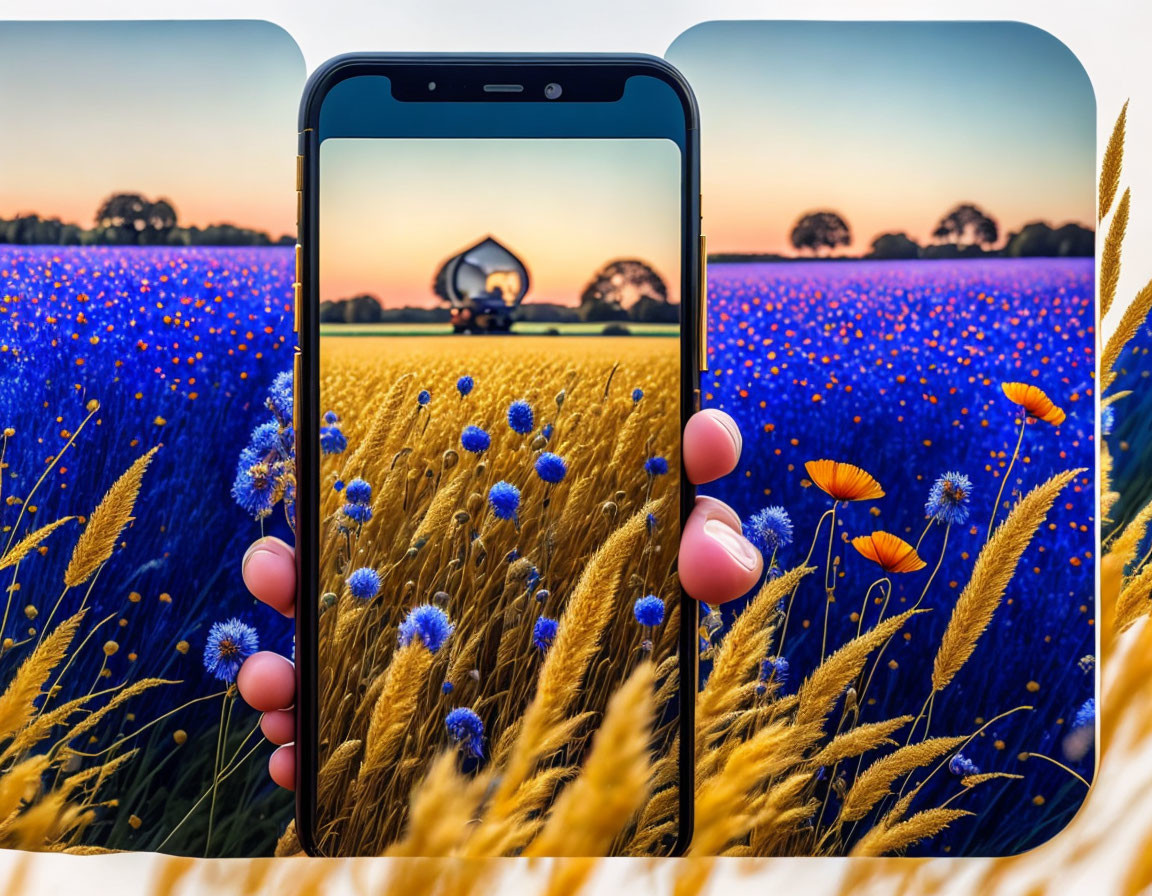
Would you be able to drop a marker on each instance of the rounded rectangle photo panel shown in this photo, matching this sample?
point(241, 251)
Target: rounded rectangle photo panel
point(900, 221)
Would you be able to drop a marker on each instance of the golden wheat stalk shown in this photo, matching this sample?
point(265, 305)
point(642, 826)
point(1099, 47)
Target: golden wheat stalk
point(595, 808)
point(1110, 254)
point(875, 782)
point(1134, 600)
point(994, 569)
point(119, 699)
point(820, 691)
point(112, 514)
point(740, 654)
point(969, 781)
point(437, 520)
point(1125, 545)
point(443, 807)
point(30, 542)
point(859, 740)
point(881, 840)
point(395, 706)
point(590, 608)
point(18, 702)
point(19, 785)
point(1111, 163)
point(1126, 329)
point(723, 800)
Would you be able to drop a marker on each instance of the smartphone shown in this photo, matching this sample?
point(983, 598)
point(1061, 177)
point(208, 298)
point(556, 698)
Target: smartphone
point(498, 318)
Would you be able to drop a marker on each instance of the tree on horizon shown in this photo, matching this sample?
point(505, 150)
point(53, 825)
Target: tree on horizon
point(967, 225)
point(820, 230)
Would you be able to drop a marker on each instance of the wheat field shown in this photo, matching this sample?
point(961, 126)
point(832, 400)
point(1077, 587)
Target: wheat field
point(508, 597)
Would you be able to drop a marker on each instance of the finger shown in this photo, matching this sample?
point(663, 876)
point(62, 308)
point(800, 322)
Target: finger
point(279, 726)
point(282, 767)
point(269, 571)
point(267, 682)
point(717, 563)
point(712, 445)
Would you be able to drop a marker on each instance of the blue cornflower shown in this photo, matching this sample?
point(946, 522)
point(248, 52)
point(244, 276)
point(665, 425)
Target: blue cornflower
point(228, 645)
point(424, 397)
point(332, 440)
point(651, 522)
point(776, 667)
point(533, 579)
point(428, 624)
point(279, 400)
point(505, 500)
point(364, 583)
point(266, 437)
point(358, 513)
point(1107, 419)
point(547, 431)
point(770, 529)
point(475, 439)
point(637, 394)
point(512, 556)
point(948, 499)
point(1086, 715)
point(464, 385)
point(466, 728)
point(551, 467)
point(520, 416)
point(254, 487)
point(544, 632)
point(447, 687)
point(358, 491)
point(961, 766)
point(330, 417)
point(338, 485)
point(648, 610)
point(656, 466)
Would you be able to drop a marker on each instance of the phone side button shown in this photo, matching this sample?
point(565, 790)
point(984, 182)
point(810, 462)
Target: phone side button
point(297, 292)
point(702, 324)
point(299, 258)
point(297, 391)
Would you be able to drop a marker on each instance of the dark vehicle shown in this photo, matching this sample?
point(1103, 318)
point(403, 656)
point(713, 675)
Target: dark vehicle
point(484, 284)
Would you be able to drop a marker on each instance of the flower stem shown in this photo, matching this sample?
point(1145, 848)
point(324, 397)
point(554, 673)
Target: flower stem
point(1007, 473)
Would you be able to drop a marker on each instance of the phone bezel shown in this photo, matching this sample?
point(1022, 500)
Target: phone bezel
point(584, 78)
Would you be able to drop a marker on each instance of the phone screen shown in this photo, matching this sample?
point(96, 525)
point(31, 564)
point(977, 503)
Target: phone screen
point(499, 509)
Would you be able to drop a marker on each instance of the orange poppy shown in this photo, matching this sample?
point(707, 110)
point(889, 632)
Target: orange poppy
point(893, 554)
point(1034, 401)
point(844, 482)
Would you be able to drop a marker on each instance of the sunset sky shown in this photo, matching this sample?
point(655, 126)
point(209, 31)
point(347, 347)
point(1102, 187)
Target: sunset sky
point(202, 113)
point(890, 124)
point(392, 210)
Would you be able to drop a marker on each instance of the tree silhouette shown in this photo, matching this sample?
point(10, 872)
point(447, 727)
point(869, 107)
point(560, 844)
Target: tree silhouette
point(894, 245)
point(618, 285)
point(131, 218)
point(967, 225)
point(820, 230)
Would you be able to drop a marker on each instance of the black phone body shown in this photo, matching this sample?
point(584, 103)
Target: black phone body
point(468, 445)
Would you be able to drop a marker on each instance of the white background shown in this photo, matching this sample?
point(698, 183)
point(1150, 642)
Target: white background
point(1110, 37)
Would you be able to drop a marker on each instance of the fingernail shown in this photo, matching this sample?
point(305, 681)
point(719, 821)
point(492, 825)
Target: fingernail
point(737, 547)
point(257, 547)
point(731, 428)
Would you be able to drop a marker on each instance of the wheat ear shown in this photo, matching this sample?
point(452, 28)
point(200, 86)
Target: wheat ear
point(859, 740)
point(875, 782)
point(740, 653)
point(1112, 162)
point(1127, 328)
point(30, 542)
point(613, 785)
point(994, 569)
point(18, 701)
point(820, 691)
point(1110, 254)
point(112, 514)
point(882, 840)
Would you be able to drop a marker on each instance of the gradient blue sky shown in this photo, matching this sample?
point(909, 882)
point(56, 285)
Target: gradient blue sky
point(891, 124)
point(203, 113)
